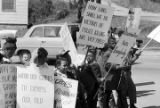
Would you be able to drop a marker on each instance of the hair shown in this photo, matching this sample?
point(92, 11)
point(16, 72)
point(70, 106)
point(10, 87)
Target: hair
point(10, 42)
point(42, 52)
point(120, 32)
point(20, 53)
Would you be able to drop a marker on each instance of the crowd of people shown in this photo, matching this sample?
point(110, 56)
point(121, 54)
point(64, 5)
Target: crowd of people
point(97, 78)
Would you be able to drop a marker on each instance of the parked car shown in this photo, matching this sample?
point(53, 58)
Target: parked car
point(44, 35)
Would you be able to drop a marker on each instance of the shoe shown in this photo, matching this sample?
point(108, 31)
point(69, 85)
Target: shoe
point(132, 106)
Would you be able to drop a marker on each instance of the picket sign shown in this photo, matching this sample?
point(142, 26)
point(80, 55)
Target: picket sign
point(95, 25)
point(65, 92)
point(121, 49)
point(154, 35)
point(35, 87)
point(133, 19)
point(7, 86)
point(2, 97)
point(69, 45)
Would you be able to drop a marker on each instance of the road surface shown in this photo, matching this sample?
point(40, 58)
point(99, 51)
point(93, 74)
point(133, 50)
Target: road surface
point(146, 75)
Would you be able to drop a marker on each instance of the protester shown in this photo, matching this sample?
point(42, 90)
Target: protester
point(131, 88)
point(112, 74)
point(89, 76)
point(61, 66)
point(39, 57)
point(64, 65)
point(91, 59)
point(64, 68)
point(8, 50)
point(111, 80)
point(65, 54)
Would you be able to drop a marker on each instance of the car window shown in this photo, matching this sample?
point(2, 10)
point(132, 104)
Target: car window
point(51, 31)
point(37, 32)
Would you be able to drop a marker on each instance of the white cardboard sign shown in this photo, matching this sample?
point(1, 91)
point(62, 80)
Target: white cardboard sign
point(133, 19)
point(121, 49)
point(35, 87)
point(7, 86)
point(95, 25)
point(68, 43)
point(65, 92)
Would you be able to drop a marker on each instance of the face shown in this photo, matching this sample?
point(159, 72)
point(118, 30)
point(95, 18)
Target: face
point(90, 57)
point(107, 54)
point(25, 58)
point(63, 66)
point(8, 52)
point(112, 42)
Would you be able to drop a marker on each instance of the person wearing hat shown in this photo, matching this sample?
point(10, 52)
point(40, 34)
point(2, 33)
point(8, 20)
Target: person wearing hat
point(8, 50)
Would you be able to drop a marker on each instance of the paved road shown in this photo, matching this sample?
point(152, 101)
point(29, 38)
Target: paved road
point(146, 75)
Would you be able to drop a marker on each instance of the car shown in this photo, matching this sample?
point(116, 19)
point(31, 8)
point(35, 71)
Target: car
point(44, 35)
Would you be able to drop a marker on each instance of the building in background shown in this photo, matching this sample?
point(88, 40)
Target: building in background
point(13, 13)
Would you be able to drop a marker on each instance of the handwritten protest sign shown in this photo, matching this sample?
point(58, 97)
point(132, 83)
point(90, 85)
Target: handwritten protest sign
point(81, 48)
point(121, 49)
point(68, 43)
point(133, 20)
point(65, 92)
point(95, 25)
point(7, 86)
point(2, 97)
point(35, 87)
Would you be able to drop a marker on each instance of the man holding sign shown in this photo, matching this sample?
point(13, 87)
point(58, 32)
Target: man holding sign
point(116, 59)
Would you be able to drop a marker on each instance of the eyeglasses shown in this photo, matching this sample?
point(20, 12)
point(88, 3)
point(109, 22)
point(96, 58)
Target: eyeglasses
point(10, 49)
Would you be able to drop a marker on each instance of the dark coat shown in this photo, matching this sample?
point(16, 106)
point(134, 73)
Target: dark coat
point(112, 79)
point(88, 79)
